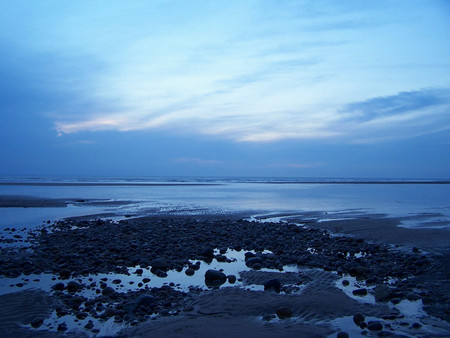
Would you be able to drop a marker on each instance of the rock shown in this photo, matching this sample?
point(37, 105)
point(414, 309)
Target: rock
point(342, 334)
point(139, 272)
point(58, 287)
point(416, 326)
point(212, 275)
point(189, 272)
point(375, 326)
point(143, 300)
point(159, 264)
point(345, 282)
point(360, 292)
point(73, 286)
point(37, 322)
point(273, 284)
point(108, 291)
point(62, 327)
point(214, 278)
point(221, 258)
point(64, 273)
point(207, 252)
point(89, 325)
point(267, 318)
point(117, 281)
point(284, 312)
point(146, 280)
point(252, 261)
point(358, 319)
point(231, 279)
point(382, 293)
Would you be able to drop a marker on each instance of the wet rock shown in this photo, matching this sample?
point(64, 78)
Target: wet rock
point(64, 273)
point(360, 292)
point(73, 286)
point(159, 264)
point(35, 323)
point(207, 252)
point(416, 326)
point(342, 334)
point(141, 301)
point(267, 318)
point(345, 282)
point(89, 325)
point(375, 326)
point(139, 272)
point(382, 293)
point(189, 272)
point(146, 280)
point(273, 284)
point(58, 287)
point(253, 261)
point(117, 281)
point(108, 291)
point(62, 327)
point(358, 319)
point(284, 312)
point(214, 278)
point(231, 279)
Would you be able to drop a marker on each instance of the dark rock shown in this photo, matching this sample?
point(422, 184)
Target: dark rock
point(252, 261)
point(214, 278)
point(116, 281)
point(89, 325)
point(146, 280)
point(159, 264)
point(416, 326)
point(207, 252)
point(284, 312)
point(375, 326)
point(62, 327)
point(139, 272)
point(73, 286)
point(382, 293)
point(108, 291)
point(231, 279)
point(358, 319)
point(360, 292)
point(273, 284)
point(143, 300)
point(342, 334)
point(37, 322)
point(64, 273)
point(58, 287)
point(189, 272)
point(345, 282)
point(267, 318)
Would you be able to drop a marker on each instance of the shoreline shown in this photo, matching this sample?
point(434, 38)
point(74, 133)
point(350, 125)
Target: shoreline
point(71, 249)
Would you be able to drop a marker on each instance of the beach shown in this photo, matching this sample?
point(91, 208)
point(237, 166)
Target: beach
point(221, 272)
point(323, 276)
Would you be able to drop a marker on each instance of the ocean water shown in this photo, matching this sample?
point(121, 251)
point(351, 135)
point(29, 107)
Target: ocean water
point(424, 203)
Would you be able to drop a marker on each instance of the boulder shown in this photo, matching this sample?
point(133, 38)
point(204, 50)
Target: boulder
point(273, 284)
point(159, 264)
point(214, 278)
point(284, 312)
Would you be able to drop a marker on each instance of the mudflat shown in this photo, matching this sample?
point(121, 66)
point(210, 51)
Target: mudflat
point(354, 282)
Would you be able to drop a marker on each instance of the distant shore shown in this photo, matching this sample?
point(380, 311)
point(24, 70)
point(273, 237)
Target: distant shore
point(312, 303)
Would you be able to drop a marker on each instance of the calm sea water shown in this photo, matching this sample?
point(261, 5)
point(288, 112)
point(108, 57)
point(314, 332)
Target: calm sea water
point(430, 199)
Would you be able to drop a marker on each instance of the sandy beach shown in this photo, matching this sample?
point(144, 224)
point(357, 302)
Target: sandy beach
point(130, 278)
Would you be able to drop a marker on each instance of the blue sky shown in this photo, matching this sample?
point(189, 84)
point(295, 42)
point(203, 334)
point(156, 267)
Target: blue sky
point(253, 88)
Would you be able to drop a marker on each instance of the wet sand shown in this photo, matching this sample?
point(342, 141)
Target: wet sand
point(314, 296)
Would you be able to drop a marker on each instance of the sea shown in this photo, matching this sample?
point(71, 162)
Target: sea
point(422, 203)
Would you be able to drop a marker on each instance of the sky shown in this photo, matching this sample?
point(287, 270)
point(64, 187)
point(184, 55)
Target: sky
point(225, 88)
